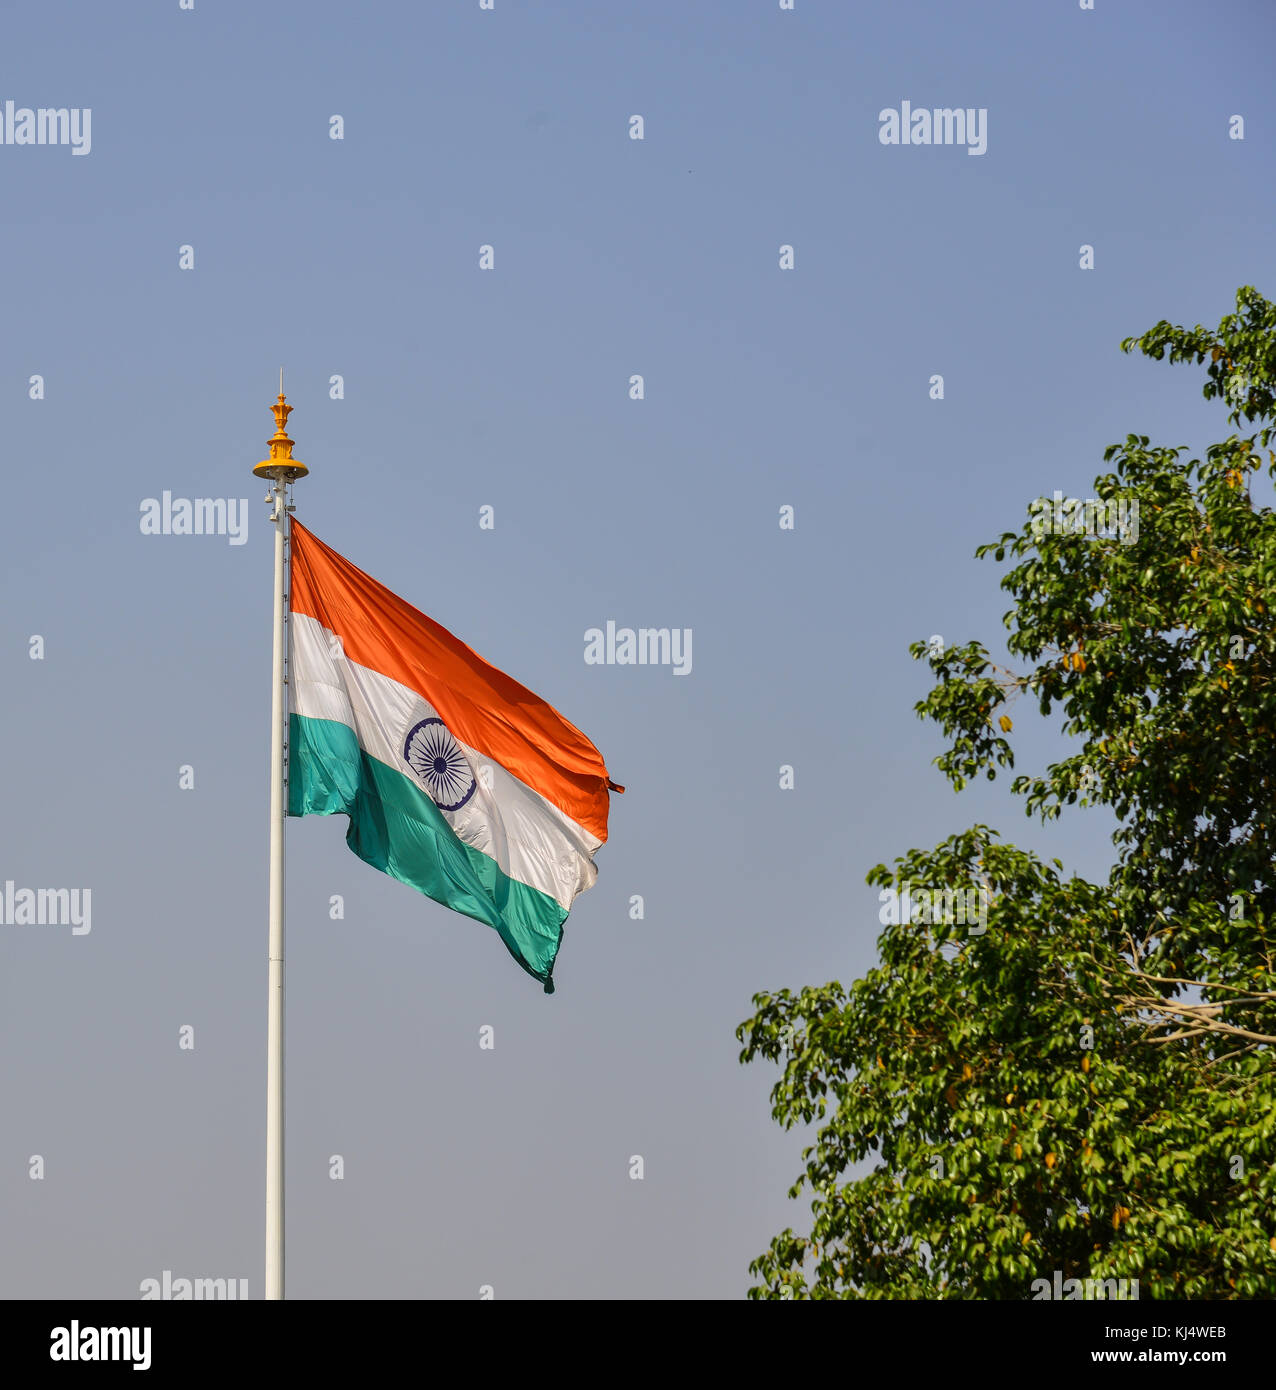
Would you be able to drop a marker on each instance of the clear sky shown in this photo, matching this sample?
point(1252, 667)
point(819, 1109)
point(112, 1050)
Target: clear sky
point(510, 388)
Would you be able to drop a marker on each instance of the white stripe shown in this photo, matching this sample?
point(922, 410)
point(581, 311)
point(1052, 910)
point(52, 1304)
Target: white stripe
point(529, 837)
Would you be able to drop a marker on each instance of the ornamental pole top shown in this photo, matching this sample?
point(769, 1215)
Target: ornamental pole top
point(281, 463)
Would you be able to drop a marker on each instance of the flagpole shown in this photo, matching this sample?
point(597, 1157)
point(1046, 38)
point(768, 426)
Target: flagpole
point(281, 469)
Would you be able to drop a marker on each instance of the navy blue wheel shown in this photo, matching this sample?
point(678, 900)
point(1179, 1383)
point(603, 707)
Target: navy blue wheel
point(443, 769)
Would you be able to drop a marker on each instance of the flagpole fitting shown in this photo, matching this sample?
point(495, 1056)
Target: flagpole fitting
point(281, 463)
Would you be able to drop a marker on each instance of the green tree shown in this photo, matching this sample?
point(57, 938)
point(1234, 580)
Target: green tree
point(1083, 1081)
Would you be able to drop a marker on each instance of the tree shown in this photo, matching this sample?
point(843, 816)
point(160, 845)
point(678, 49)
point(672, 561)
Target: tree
point(1081, 1079)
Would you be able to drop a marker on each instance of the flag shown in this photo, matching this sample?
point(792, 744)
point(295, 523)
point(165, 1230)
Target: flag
point(457, 780)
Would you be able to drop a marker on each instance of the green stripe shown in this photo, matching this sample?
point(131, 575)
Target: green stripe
point(395, 827)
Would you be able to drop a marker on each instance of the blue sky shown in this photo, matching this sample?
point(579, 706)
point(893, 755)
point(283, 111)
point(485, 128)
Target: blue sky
point(509, 388)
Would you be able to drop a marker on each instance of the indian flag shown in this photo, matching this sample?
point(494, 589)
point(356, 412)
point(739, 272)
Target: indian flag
point(457, 780)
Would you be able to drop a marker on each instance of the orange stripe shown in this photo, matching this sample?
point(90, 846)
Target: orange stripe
point(482, 706)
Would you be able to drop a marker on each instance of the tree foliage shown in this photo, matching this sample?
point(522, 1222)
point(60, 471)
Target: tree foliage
point(1086, 1086)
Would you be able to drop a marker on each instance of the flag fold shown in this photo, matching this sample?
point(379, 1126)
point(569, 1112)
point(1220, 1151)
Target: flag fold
point(457, 780)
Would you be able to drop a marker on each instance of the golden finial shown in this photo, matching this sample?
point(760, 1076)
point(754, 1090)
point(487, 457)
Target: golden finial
point(281, 463)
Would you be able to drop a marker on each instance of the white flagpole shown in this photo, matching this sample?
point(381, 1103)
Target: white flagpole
point(282, 469)
point(275, 1014)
